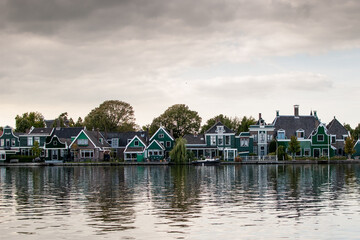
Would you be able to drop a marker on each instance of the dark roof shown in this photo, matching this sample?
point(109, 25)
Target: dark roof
point(94, 137)
point(134, 149)
point(213, 129)
point(40, 131)
point(195, 139)
point(336, 128)
point(49, 123)
point(124, 136)
point(67, 133)
point(292, 123)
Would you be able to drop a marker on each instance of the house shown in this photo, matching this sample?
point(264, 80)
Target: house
point(166, 139)
point(135, 150)
point(57, 145)
point(218, 141)
point(301, 126)
point(245, 144)
point(28, 140)
point(321, 142)
point(357, 149)
point(119, 140)
point(262, 134)
point(90, 145)
point(338, 136)
point(9, 143)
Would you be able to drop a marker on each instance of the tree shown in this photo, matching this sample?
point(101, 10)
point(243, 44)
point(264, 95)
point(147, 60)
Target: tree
point(245, 124)
point(281, 153)
point(63, 121)
point(28, 120)
point(178, 154)
point(111, 115)
point(179, 119)
point(349, 146)
point(36, 149)
point(294, 146)
point(272, 146)
point(79, 123)
point(356, 132)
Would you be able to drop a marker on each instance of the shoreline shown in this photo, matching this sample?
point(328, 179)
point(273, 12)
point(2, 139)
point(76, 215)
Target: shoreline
point(171, 164)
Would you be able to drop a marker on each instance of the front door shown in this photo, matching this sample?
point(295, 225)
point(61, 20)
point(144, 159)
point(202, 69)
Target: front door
point(54, 155)
point(316, 152)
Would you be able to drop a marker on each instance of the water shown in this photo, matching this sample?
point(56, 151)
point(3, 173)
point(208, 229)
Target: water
point(162, 202)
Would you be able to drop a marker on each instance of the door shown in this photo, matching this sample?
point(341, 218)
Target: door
point(316, 152)
point(54, 155)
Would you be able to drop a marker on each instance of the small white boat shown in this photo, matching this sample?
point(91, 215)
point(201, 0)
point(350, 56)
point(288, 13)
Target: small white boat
point(207, 161)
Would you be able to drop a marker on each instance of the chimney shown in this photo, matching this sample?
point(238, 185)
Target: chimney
point(277, 113)
point(296, 110)
point(97, 134)
point(259, 116)
point(315, 114)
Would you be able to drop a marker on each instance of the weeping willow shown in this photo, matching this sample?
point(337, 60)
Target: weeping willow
point(178, 153)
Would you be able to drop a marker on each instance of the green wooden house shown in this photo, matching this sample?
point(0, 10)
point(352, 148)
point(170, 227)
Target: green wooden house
point(321, 143)
point(55, 149)
point(35, 135)
point(135, 150)
point(244, 143)
point(357, 149)
point(9, 143)
point(155, 151)
point(165, 139)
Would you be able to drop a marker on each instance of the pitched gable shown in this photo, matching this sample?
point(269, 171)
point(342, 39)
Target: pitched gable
point(160, 131)
point(336, 128)
point(155, 145)
point(214, 129)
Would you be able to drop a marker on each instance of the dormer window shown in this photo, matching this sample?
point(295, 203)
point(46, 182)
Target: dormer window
point(136, 143)
point(281, 134)
point(161, 135)
point(220, 129)
point(300, 134)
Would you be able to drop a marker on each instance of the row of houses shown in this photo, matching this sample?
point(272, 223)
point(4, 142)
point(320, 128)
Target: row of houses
point(77, 144)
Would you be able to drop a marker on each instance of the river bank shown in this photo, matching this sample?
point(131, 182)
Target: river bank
point(169, 163)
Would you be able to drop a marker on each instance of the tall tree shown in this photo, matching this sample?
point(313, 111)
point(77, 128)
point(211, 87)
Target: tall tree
point(112, 115)
point(63, 121)
point(356, 132)
point(28, 120)
point(349, 146)
point(179, 119)
point(245, 124)
point(178, 154)
point(294, 146)
point(79, 123)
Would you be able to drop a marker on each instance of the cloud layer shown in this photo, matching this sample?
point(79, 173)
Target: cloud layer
point(79, 53)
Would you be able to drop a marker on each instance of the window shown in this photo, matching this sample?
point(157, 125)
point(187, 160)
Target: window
point(2, 142)
point(29, 141)
point(162, 143)
point(8, 142)
point(213, 140)
point(262, 136)
point(87, 153)
point(325, 152)
point(320, 138)
point(269, 137)
point(114, 142)
point(255, 138)
point(129, 140)
point(37, 139)
point(244, 142)
point(136, 143)
point(161, 135)
point(333, 139)
point(307, 152)
point(300, 134)
point(101, 140)
point(255, 149)
point(83, 142)
point(168, 144)
point(55, 142)
point(281, 134)
point(227, 140)
point(2, 156)
point(13, 142)
point(220, 129)
point(220, 140)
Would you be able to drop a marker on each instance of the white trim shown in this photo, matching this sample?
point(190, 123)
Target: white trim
point(161, 146)
point(133, 140)
point(164, 131)
point(95, 146)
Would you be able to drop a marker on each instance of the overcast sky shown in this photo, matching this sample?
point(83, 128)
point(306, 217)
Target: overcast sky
point(231, 57)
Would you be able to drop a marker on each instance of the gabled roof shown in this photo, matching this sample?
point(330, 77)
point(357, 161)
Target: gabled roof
point(67, 133)
point(291, 124)
point(195, 139)
point(137, 149)
point(157, 143)
point(313, 133)
point(213, 129)
point(93, 136)
point(124, 136)
point(167, 133)
point(336, 128)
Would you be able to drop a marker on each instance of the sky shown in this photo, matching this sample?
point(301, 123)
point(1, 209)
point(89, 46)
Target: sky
point(237, 58)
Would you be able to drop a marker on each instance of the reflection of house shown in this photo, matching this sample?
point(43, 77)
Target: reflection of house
point(219, 141)
point(90, 145)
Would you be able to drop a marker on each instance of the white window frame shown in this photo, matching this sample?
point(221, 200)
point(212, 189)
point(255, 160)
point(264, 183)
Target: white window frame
point(114, 142)
point(309, 152)
point(161, 135)
point(37, 139)
point(301, 132)
point(323, 138)
point(83, 142)
point(2, 142)
point(168, 144)
point(220, 140)
point(281, 132)
point(213, 140)
point(136, 143)
point(227, 140)
point(30, 141)
point(13, 142)
point(85, 152)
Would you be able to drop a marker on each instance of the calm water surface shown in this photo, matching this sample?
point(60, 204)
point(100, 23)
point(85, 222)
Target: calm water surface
point(162, 202)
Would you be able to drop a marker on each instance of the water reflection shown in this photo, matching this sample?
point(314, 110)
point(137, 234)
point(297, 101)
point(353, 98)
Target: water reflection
point(176, 202)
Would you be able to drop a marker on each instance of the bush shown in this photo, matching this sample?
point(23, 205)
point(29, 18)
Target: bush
point(22, 158)
point(238, 159)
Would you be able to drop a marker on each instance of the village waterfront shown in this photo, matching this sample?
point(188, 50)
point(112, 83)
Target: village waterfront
point(248, 201)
